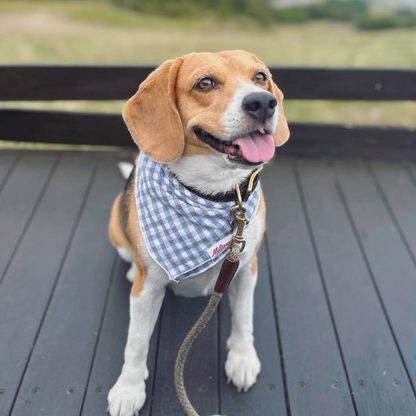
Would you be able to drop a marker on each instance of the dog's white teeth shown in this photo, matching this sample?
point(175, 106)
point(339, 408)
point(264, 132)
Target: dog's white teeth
point(262, 131)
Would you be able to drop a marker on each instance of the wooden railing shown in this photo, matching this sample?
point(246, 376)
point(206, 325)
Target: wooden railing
point(46, 83)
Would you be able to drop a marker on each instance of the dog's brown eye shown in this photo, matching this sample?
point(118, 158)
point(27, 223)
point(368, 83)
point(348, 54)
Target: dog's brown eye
point(205, 84)
point(261, 77)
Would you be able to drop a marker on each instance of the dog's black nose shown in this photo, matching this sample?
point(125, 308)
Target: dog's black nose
point(260, 105)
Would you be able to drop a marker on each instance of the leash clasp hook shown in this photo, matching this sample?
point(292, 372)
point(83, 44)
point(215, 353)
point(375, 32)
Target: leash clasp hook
point(238, 213)
point(239, 221)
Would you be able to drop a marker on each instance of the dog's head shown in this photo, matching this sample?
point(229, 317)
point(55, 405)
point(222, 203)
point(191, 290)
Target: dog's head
point(223, 104)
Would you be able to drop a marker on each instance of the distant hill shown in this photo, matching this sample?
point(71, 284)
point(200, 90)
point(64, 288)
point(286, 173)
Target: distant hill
point(294, 3)
point(396, 4)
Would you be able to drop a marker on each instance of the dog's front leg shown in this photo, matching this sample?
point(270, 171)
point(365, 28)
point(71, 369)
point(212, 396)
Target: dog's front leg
point(128, 395)
point(242, 366)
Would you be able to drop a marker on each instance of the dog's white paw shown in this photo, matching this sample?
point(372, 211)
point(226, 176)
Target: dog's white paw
point(126, 398)
point(242, 366)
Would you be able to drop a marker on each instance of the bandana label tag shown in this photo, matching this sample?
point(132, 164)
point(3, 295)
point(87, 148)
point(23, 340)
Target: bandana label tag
point(216, 249)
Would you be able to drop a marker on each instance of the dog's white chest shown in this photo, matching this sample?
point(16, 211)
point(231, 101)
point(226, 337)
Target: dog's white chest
point(199, 285)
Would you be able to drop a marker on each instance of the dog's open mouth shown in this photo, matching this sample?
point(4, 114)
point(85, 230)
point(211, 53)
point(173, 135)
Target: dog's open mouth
point(254, 148)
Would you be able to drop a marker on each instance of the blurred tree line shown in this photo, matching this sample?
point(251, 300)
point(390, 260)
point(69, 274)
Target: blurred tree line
point(357, 12)
point(256, 9)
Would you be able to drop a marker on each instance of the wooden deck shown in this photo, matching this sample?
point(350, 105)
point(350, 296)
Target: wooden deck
point(335, 304)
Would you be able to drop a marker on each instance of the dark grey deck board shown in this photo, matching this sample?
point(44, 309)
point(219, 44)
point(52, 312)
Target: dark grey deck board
point(78, 319)
point(31, 276)
point(267, 397)
point(18, 200)
point(412, 169)
point(398, 185)
point(6, 166)
point(307, 335)
point(201, 370)
point(109, 358)
point(61, 359)
point(371, 356)
point(390, 262)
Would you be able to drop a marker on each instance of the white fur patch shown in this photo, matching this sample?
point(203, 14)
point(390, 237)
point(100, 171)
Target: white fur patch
point(132, 272)
point(237, 122)
point(242, 366)
point(126, 398)
point(210, 174)
point(125, 169)
point(125, 253)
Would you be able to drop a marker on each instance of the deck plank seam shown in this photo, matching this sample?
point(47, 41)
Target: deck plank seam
point(32, 214)
point(370, 272)
point(391, 213)
point(322, 278)
point(103, 316)
point(159, 331)
point(81, 210)
point(411, 174)
point(9, 172)
point(278, 333)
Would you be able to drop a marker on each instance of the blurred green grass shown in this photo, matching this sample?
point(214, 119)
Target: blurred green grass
point(87, 32)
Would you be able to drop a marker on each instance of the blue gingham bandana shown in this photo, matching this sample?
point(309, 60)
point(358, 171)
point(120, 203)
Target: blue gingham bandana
point(184, 233)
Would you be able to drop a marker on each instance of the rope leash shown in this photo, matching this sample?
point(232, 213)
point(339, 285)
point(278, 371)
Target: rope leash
point(225, 276)
point(200, 324)
point(184, 350)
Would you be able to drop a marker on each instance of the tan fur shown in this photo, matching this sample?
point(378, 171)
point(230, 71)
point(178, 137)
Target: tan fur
point(162, 114)
point(254, 264)
point(140, 277)
point(115, 232)
point(281, 135)
point(152, 117)
point(134, 233)
point(262, 212)
point(132, 241)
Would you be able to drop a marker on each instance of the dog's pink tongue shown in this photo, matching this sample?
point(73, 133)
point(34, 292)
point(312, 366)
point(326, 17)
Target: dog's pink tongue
point(256, 147)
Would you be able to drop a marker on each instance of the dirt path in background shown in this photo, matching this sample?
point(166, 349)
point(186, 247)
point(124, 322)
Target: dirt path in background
point(41, 22)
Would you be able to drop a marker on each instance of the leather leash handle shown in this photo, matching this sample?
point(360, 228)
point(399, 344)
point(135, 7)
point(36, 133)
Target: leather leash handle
point(227, 273)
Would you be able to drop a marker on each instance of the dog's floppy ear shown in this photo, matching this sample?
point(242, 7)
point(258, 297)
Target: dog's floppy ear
point(152, 117)
point(281, 135)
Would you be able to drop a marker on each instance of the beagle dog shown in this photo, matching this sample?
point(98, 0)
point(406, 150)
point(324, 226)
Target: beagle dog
point(203, 123)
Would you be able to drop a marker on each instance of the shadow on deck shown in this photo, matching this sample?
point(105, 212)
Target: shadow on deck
point(335, 303)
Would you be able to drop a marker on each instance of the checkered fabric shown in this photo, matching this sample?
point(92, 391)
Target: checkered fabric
point(178, 226)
